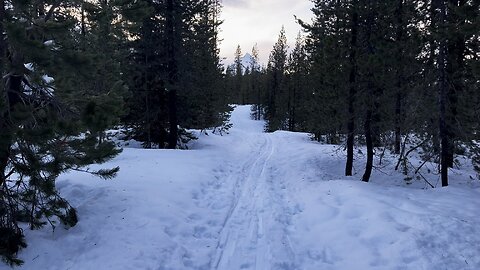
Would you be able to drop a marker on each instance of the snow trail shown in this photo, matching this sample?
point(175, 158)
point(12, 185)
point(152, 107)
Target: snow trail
point(254, 233)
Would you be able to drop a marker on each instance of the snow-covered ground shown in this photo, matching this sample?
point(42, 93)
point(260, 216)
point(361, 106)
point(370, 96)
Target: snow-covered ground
point(251, 200)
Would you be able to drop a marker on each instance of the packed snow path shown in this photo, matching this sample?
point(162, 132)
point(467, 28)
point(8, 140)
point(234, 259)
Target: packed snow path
point(255, 231)
point(264, 201)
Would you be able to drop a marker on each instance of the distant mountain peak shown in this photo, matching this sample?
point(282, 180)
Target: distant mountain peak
point(247, 61)
point(247, 56)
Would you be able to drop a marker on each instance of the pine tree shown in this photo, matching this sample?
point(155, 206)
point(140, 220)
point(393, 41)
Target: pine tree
point(298, 70)
point(239, 75)
point(354, 21)
point(177, 85)
point(45, 115)
point(332, 44)
point(147, 103)
point(203, 104)
point(275, 114)
point(371, 65)
point(456, 20)
point(105, 26)
point(257, 109)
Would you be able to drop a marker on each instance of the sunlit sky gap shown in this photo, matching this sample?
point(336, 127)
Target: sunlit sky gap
point(247, 22)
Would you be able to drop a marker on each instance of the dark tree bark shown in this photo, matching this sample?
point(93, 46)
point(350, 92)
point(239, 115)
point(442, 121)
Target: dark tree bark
point(255, 93)
point(148, 139)
point(369, 142)
point(4, 153)
point(373, 93)
point(172, 75)
point(3, 47)
point(291, 108)
point(11, 90)
point(433, 121)
point(454, 69)
point(352, 92)
point(259, 111)
point(442, 94)
point(293, 113)
point(398, 129)
point(398, 96)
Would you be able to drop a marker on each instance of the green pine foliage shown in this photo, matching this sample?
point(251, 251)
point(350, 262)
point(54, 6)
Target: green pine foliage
point(276, 80)
point(184, 85)
point(61, 89)
point(147, 111)
point(298, 97)
point(202, 104)
point(255, 85)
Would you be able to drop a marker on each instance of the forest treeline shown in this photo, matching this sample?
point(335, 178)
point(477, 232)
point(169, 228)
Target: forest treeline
point(395, 75)
point(72, 70)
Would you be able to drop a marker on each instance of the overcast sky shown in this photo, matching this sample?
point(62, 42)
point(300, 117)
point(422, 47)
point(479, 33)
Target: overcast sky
point(247, 22)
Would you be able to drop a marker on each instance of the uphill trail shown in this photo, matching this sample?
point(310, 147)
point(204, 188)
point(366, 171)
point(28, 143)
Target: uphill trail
point(254, 234)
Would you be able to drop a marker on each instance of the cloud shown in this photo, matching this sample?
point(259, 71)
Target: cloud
point(260, 21)
point(236, 3)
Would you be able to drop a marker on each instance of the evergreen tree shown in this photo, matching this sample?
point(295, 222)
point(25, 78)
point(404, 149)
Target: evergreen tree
point(455, 21)
point(332, 43)
point(238, 75)
point(105, 26)
point(352, 93)
point(148, 114)
point(257, 110)
point(275, 114)
point(48, 127)
point(203, 102)
point(298, 97)
point(177, 85)
point(229, 85)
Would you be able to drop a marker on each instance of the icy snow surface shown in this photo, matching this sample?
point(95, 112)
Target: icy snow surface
point(252, 200)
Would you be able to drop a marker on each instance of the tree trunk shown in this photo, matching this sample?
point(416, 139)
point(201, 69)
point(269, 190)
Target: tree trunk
point(442, 94)
point(146, 90)
point(454, 69)
point(3, 45)
point(259, 111)
point(369, 141)
point(172, 76)
point(14, 87)
point(399, 96)
point(293, 114)
point(352, 93)
point(172, 108)
point(398, 129)
point(289, 110)
point(4, 145)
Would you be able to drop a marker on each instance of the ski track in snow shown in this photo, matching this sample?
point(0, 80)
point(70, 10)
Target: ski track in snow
point(257, 208)
point(248, 236)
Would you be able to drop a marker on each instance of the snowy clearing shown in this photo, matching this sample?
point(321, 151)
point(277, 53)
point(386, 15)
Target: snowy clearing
point(252, 200)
